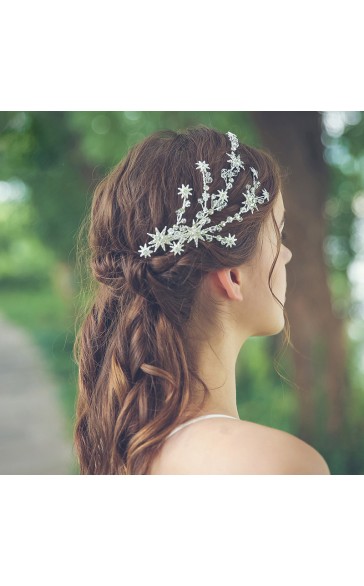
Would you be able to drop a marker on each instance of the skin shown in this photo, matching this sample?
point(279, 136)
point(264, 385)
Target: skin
point(248, 309)
point(225, 446)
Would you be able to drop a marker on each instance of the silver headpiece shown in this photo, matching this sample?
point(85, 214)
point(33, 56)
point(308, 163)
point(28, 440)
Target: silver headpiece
point(181, 233)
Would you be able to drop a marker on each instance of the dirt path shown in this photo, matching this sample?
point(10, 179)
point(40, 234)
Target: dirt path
point(33, 437)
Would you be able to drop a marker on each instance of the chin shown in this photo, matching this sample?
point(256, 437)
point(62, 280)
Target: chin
point(270, 321)
point(275, 326)
point(275, 329)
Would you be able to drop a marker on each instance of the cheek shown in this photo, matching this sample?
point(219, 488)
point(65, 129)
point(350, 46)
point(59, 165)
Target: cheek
point(278, 271)
point(262, 268)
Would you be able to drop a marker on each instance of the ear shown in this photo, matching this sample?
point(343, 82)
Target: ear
point(228, 281)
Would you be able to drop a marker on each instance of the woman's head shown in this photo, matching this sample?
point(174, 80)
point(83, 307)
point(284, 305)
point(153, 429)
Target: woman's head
point(138, 375)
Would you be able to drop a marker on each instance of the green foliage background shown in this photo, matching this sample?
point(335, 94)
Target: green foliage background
point(51, 163)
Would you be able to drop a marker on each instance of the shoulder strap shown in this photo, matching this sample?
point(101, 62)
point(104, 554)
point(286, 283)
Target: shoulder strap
point(198, 419)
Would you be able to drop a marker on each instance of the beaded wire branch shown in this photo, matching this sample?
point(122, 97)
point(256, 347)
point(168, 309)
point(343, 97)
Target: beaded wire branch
point(180, 233)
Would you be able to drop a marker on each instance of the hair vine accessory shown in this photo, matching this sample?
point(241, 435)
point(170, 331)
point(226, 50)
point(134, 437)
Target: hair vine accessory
point(180, 232)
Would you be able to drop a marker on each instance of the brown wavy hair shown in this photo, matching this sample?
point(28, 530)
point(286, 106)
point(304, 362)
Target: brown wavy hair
point(137, 373)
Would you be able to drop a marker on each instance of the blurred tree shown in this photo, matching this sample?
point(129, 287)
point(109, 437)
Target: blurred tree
point(318, 332)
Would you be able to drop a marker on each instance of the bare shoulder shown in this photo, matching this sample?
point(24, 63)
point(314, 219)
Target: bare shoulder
point(222, 446)
point(260, 449)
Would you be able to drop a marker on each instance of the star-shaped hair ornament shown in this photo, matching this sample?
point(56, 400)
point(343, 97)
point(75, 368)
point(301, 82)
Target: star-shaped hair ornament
point(180, 233)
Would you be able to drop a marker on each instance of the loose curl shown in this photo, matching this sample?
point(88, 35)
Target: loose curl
point(137, 373)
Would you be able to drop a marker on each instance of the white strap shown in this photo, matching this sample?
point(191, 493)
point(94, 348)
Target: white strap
point(197, 419)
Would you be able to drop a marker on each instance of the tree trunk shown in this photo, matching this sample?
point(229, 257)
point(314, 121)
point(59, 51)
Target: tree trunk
point(294, 139)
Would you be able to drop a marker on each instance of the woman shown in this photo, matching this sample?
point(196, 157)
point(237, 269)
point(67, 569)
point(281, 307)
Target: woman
point(157, 349)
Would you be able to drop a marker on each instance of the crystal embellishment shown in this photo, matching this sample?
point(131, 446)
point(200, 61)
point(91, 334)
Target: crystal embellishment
point(181, 233)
